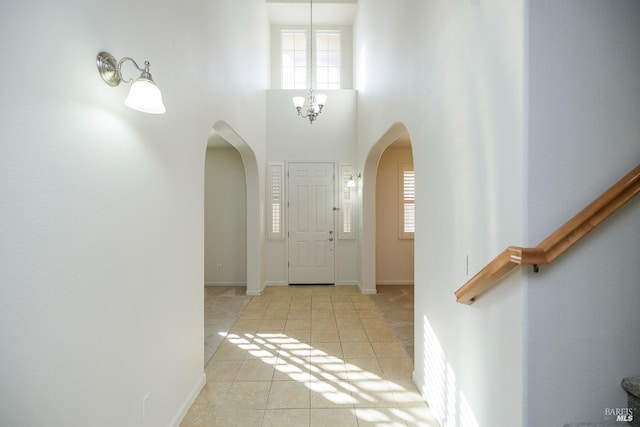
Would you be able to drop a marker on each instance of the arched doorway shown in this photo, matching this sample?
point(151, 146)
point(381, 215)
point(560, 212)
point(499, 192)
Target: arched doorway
point(233, 244)
point(388, 229)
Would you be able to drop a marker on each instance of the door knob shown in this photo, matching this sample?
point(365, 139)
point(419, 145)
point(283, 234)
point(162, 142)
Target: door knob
point(331, 239)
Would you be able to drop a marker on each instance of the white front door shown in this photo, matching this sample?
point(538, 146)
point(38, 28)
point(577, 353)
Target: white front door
point(311, 223)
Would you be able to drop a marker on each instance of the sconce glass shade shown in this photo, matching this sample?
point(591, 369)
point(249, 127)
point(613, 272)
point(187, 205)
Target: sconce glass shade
point(145, 96)
point(351, 183)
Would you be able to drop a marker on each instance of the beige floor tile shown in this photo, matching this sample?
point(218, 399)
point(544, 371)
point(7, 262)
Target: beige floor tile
point(322, 323)
point(363, 369)
point(357, 350)
point(299, 335)
point(353, 335)
point(294, 353)
point(247, 395)
point(379, 417)
point(276, 314)
point(368, 313)
point(299, 314)
point(333, 349)
point(293, 370)
point(328, 368)
point(255, 370)
point(264, 352)
point(258, 303)
point(252, 314)
point(321, 299)
point(302, 291)
point(322, 314)
point(245, 326)
point(419, 417)
point(286, 418)
point(322, 306)
point(271, 325)
point(222, 370)
point(289, 395)
point(374, 323)
point(389, 350)
point(343, 304)
point(397, 368)
point(348, 290)
point(362, 302)
point(338, 297)
point(234, 418)
point(197, 418)
point(333, 418)
point(212, 395)
point(408, 395)
point(376, 393)
point(229, 351)
point(324, 335)
point(328, 348)
point(349, 323)
point(383, 334)
point(345, 313)
point(293, 324)
point(331, 394)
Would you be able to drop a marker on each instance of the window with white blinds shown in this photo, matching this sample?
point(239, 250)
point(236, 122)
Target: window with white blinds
point(346, 229)
point(407, 200)
point(276, 201)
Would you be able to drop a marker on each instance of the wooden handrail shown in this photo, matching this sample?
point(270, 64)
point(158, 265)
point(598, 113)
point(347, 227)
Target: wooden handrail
point(557, 242)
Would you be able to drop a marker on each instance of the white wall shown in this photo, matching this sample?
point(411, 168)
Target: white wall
point(460, 95)
point(225, 218)
point(394, 256)
point(584, 103)
point(101, 230)
point(332, 137)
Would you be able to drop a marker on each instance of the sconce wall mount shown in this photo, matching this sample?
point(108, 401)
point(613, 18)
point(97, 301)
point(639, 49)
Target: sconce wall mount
point(144, 94)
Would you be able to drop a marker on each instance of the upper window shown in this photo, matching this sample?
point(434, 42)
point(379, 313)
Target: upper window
point(327, 60)
point(295, 60)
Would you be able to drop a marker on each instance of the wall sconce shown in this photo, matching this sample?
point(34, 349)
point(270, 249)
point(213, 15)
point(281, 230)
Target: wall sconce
point(351, 182)
point(144, 95)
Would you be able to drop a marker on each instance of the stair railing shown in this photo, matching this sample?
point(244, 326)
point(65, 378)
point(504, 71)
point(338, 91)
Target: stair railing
point(557, 243)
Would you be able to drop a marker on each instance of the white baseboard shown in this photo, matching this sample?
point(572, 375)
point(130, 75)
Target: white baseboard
point(225, 283)
point(394, 282)
point(348, 283)
point(184, 408)
point(276, 284)
point(366, 291)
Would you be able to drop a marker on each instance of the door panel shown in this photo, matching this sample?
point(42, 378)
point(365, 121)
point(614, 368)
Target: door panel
point(311, 222)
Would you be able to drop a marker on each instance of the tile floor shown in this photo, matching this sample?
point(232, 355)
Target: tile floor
point(309, 356)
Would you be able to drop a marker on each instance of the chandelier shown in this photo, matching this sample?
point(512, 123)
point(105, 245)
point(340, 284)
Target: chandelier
point(310, 107)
